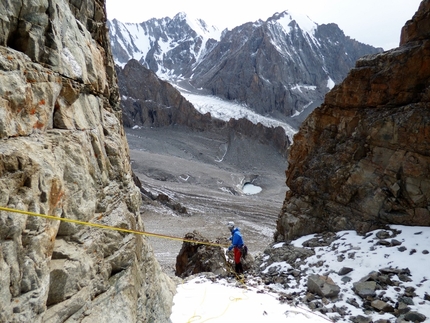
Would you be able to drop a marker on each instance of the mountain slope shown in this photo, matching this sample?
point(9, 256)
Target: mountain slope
point(150, 102)
point(277, 67)
point(166, 46)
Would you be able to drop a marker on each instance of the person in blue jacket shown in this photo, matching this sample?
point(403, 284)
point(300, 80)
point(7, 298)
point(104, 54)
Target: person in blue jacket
point(236, 245)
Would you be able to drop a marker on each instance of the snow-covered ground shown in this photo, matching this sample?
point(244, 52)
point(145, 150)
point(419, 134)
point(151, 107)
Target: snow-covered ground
point(201, 300)
point(223, 300)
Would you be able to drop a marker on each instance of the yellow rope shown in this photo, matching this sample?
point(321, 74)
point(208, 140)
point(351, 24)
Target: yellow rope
point(107, 227)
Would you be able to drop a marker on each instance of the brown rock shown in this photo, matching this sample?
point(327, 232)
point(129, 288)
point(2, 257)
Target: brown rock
point(382, 306)
point(323, 286)
point(360, 161)
point(194, 258)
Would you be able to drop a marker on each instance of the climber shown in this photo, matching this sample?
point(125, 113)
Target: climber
point(237, 245)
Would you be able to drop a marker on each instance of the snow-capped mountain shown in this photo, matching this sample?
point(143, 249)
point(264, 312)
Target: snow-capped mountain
point(169, 47)
point(277, 67)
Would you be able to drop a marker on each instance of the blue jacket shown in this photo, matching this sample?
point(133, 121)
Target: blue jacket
point(236, 239)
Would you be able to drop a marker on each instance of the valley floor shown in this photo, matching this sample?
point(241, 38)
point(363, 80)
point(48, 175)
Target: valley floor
point(205, 172)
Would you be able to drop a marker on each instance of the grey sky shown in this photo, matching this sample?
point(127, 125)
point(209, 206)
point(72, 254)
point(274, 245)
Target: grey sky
point(374, 22)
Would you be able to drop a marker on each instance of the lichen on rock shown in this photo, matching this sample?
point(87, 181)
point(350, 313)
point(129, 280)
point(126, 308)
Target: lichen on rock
point(64, 153)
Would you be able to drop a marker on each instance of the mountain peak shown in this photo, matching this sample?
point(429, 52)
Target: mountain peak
point(198, 25)
point(287, 17)
point(181, 15)
point(306, 59)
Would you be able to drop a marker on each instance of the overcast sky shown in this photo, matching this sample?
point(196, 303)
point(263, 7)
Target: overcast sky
point(374, 22)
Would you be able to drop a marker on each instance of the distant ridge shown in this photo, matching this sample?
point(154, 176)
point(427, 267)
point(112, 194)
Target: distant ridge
point(277, 67)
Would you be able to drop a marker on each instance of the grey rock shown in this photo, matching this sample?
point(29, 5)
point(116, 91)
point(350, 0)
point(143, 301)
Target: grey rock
point(385, 280)
point(287, 253)
point(384, 243)
point(323, 286)
point(353, 302)
point(344, 270)
point(321, 240)
point(194, 258)
point(415, 317)
point(395, 242)
point(410, 291)
point(407, 300)
point(403, 308)
point(383, 234)
point(365, 289)
point(360, 319)
point(404, 278)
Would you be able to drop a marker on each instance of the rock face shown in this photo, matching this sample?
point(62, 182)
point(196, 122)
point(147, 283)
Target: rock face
point(194, 258)
point(361, 159)
point(64, 153)
point(279, 66)
point(151, 102)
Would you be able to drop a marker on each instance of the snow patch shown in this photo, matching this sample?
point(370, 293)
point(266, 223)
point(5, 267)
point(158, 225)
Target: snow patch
point(226, 110)
point(281, 267)
point(251, 189)
point(330, 83)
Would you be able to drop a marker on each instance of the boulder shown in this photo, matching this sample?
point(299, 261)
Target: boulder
point(365, 289)
point(344, 270)
point(382, 306)
point(413, 316)
point(194, 258)
point(323, 286)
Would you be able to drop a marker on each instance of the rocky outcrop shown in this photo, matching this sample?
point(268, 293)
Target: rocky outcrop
point(150, 102)
point(361, 159)
point(64, 153)
point(194, 258)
